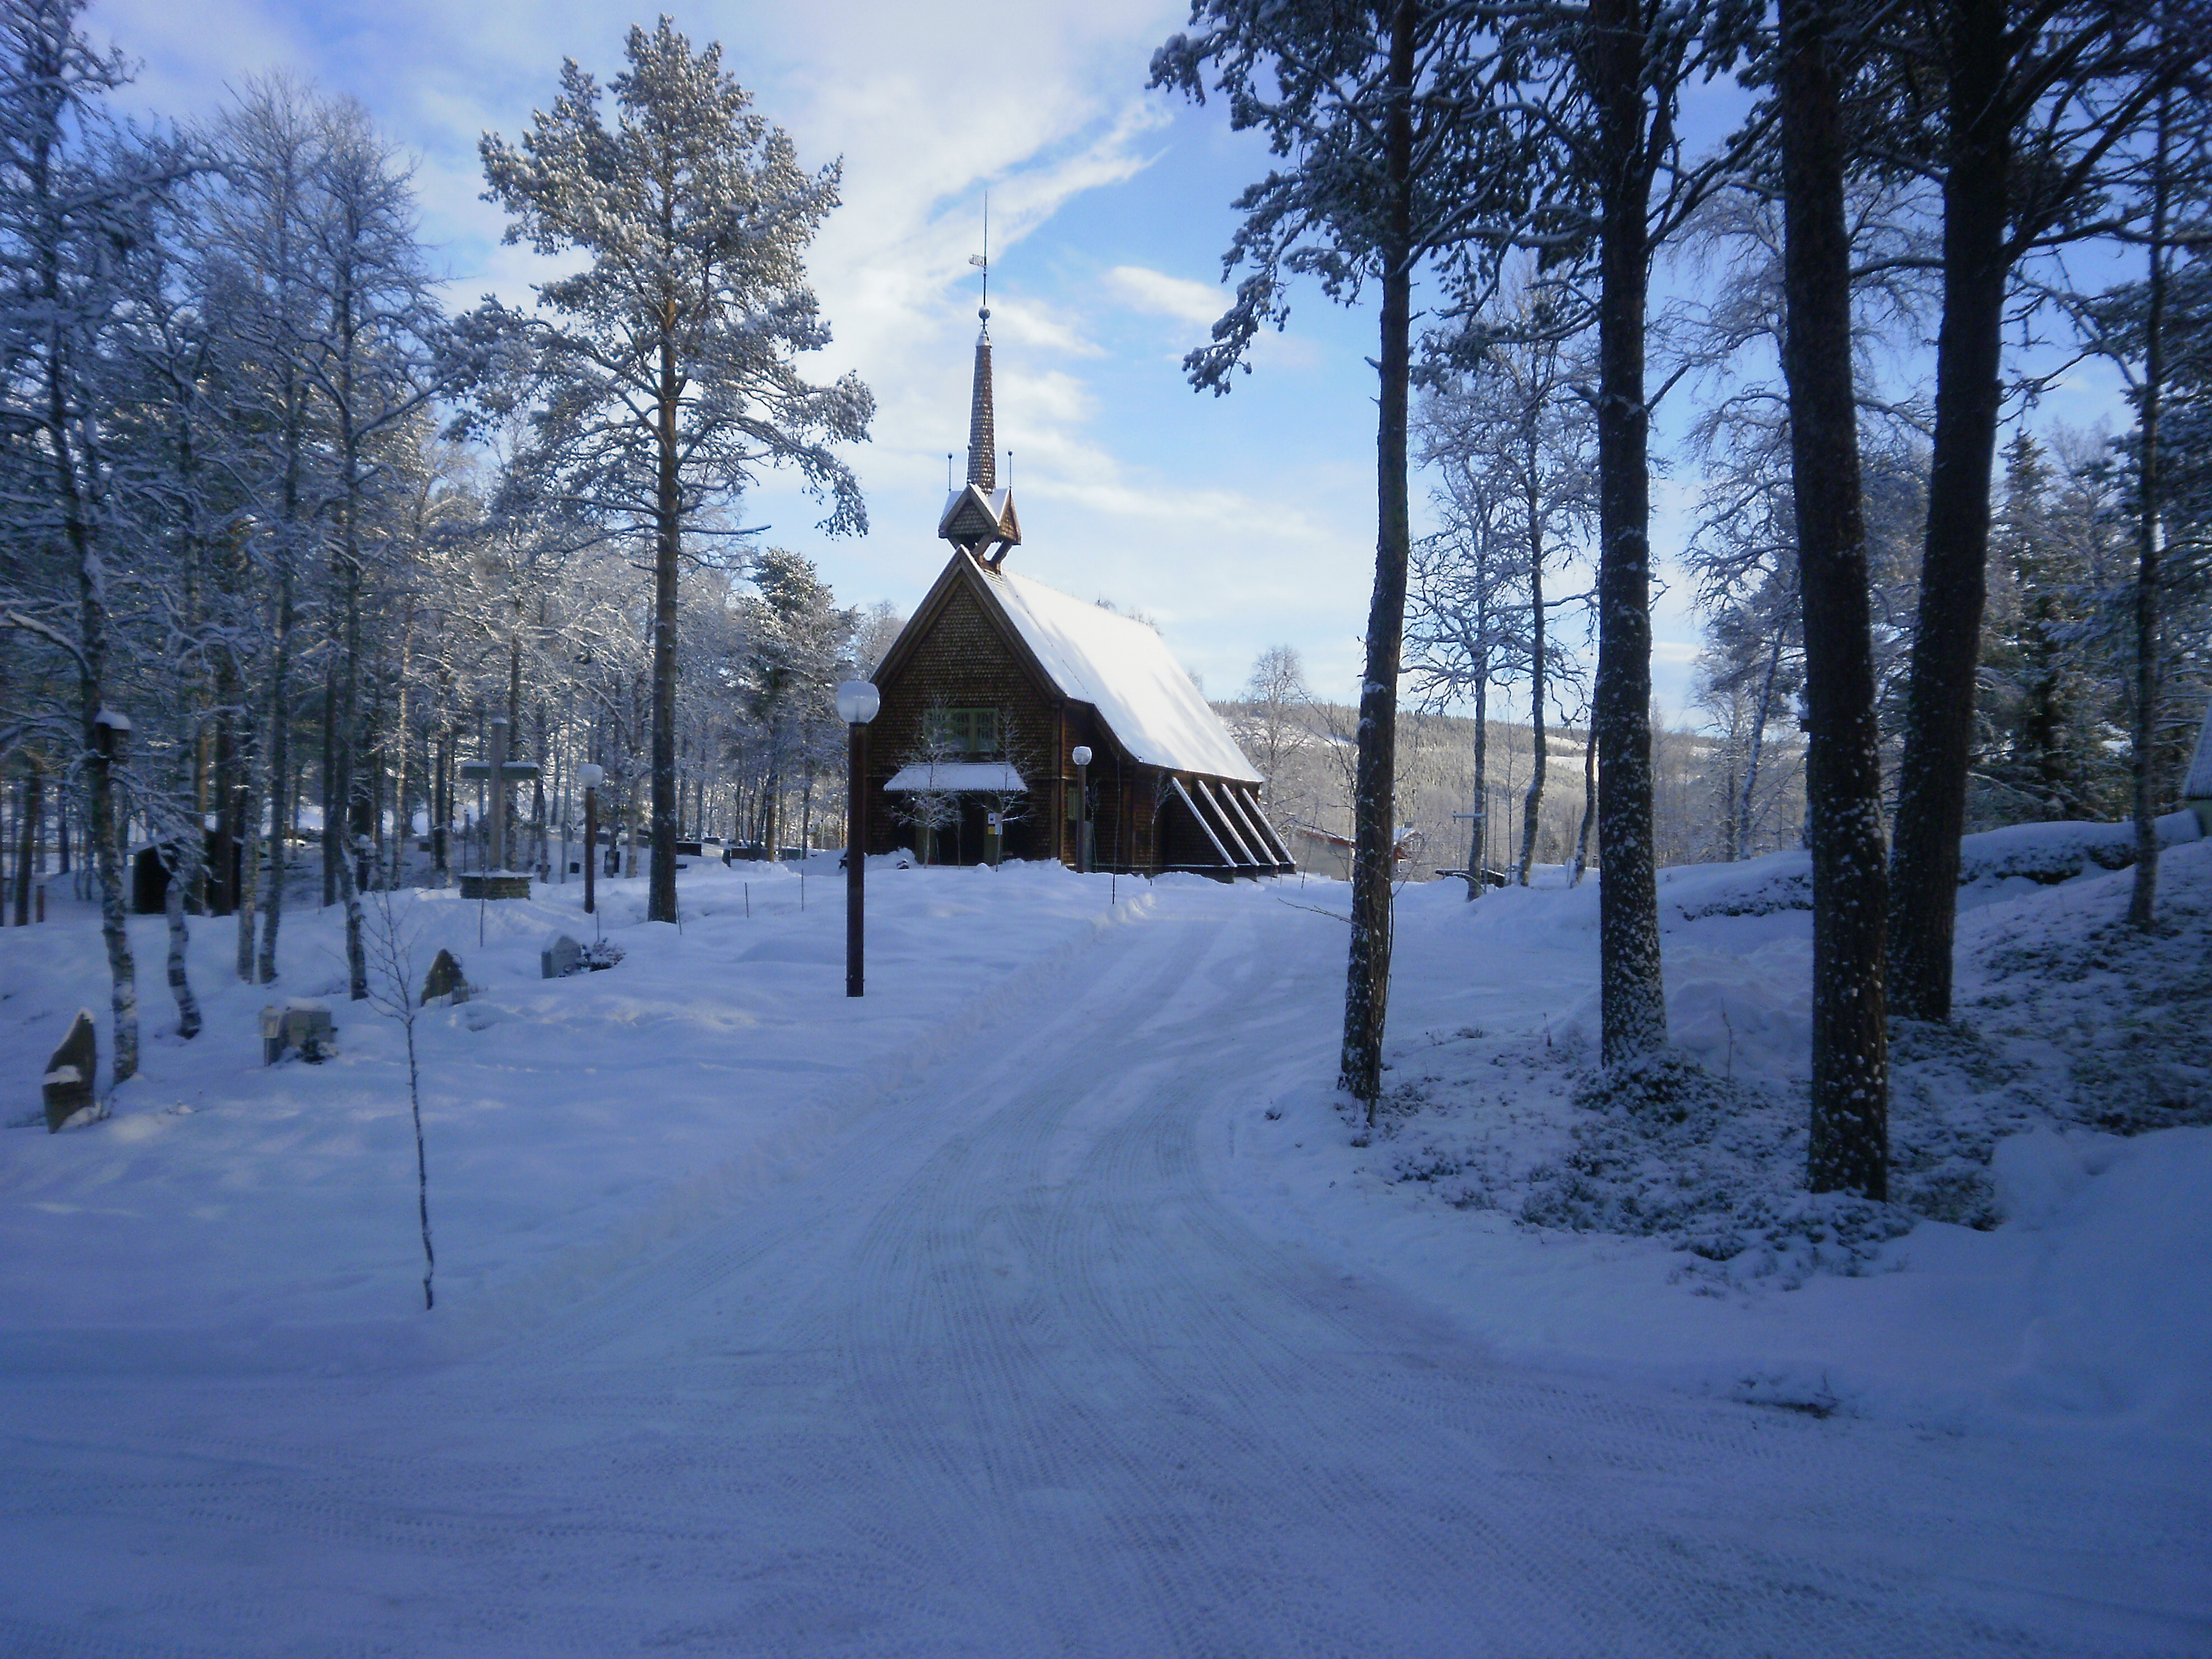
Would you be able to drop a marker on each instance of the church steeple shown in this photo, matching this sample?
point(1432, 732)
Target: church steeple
point(981, 515)
point(982, 428)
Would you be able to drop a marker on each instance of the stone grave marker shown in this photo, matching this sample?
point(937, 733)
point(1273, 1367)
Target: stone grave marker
point(72, 1072)
point(563, 957)
point(301, 1027)
point(444, 979)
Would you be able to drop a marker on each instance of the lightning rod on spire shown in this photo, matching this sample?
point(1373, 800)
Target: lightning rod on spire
point(982, 262)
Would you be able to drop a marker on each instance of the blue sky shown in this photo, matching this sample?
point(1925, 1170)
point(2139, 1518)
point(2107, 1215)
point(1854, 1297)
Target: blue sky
point(1237, 523)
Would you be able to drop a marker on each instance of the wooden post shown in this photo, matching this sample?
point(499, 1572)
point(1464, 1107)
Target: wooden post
point(590, 849)
point(856, 858)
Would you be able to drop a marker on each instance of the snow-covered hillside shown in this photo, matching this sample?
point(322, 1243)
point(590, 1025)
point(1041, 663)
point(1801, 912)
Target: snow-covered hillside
point(1045, 1301)
point(2038, 1261)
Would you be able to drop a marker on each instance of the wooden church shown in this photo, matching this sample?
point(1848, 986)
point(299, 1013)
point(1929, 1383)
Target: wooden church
point(998, 680)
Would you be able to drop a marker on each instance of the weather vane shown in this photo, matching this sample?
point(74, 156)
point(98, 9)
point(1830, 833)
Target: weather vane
point(982, 261)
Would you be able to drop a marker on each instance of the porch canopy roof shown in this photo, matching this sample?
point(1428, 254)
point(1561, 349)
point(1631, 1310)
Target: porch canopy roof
point(957, 777)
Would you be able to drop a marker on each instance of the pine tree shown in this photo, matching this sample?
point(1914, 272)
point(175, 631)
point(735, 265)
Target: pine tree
point(1621, 185)
point(1849, 1141)
point(797, 644)
point(2033, 106)
point(663, 371)
point(1397, 157)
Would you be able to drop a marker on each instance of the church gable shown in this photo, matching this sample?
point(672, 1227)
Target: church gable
point(954, 656)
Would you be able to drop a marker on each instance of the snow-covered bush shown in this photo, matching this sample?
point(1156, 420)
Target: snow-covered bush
point(2068, 1018)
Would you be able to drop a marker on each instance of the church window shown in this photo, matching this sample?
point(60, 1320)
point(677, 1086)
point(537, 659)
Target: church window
point(973, 732)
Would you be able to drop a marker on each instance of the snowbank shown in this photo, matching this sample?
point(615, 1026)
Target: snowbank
point(2044, 853)
point(2039, 1269)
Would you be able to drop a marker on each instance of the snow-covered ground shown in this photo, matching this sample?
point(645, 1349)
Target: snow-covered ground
point(1042, 1301)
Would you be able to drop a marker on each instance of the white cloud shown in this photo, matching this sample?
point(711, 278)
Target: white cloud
point(1159, 294)
point(1035, 324)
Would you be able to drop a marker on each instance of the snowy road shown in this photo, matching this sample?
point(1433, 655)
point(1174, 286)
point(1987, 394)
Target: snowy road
point(1001, 1373)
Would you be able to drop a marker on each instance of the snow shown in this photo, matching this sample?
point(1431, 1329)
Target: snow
point(992, 777)
point(1122, 668)
point(1995, 862)
point(1044, 1301)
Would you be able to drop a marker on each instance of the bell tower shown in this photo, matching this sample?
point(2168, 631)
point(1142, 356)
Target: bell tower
point(979, 517)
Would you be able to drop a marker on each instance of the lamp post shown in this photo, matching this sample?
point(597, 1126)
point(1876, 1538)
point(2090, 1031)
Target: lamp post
point(1083, 808)
point(857, 702)
point(591, 777)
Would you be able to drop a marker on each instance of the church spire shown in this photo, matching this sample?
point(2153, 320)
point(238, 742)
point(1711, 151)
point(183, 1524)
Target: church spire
point(982, 428)
point(981, 515)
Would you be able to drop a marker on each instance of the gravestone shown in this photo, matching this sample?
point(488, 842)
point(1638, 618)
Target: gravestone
point(72, 1072)
point(444, 979)
point(563, 957)
point(300, 1027)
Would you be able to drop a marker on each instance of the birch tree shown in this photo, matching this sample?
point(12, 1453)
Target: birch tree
point(373, 363)
point(257, 281)
point(1517, 416)
point(74, 195)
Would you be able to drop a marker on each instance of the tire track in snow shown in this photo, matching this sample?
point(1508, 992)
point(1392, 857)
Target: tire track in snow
point(1005, 1433)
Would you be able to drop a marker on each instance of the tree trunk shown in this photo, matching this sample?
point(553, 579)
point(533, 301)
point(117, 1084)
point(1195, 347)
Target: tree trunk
point(1755, 749)
point(107, 859)
point(280, 759)
point(403, 819)
point(26, 863)
point(1849, 1147)
point(1367, 976)
point(1939, 728)
point(661, 900)
point(1533, 803)
point(347, 789)
point(2142, 896)
point(333, 782)
point(1590, 808)
point(182, 871)
point(1631, 996)
point(249, 873)
point(442, 807)
point(223, 849)
point(1478, 826)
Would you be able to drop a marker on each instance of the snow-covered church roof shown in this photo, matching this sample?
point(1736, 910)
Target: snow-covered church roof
point(1125, 672)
